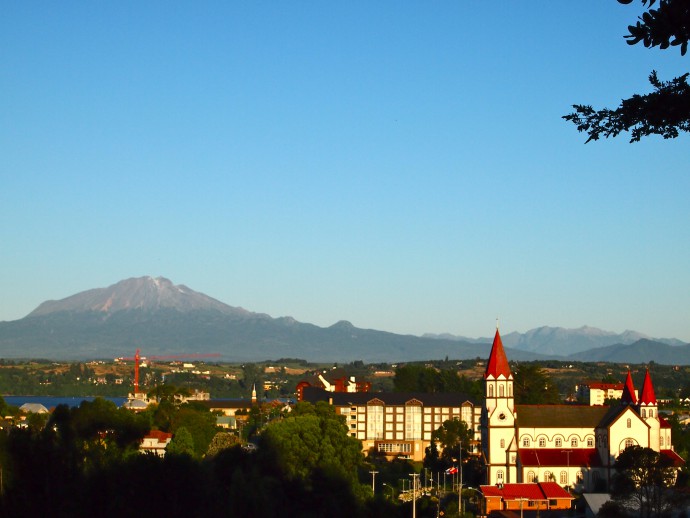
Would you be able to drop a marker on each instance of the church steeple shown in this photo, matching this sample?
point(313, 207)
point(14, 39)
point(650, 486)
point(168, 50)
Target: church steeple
point(629, 397)
point(647, 397)
point(498, 362)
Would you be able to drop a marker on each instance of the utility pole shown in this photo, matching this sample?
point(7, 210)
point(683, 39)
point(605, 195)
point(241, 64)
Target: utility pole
point(373, 480)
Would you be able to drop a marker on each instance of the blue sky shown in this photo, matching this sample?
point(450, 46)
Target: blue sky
point(403, 166)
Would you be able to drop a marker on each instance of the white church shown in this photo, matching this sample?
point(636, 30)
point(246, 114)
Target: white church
point(572, 445)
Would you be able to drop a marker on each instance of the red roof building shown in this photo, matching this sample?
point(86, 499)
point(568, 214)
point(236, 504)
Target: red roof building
point(526, 497)
point(335, 380)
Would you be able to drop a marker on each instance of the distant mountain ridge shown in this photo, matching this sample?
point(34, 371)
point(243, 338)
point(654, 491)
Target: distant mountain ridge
point(163, 318)
point(559, 341)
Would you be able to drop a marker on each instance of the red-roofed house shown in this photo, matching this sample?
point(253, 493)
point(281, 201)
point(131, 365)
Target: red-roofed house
point(597, 392)
point(155, 442)
point(526, 497)
point(335, 380)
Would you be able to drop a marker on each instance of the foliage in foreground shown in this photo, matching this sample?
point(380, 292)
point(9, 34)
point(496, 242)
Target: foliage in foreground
point(85, 462)
point(666, 110)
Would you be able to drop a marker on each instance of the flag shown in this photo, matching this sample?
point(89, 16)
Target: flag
point(451, 471)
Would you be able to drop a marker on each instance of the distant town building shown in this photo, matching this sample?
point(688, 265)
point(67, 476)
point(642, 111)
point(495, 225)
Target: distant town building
point(155, 442)
point(597, 392)
point(33, 408)
point(334, 380)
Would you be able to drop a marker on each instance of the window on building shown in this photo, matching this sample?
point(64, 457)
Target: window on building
point(501, 390)
point(510, 389)
point(375, 422)
point(530, 476)
point(644, 413)
point(413, 422)
point(590, 442)
point(629, 443)
point(542, 442)
point(491, 391)
point(580, 477)
point(573, 442)
point(559, 442)
point(564, 477)
point(547, 476)
point(525, 442)
point(651, 413)
point(503, 443)
point(661, 441)
point(629, 422)
point(499, 476)
point(466, 415)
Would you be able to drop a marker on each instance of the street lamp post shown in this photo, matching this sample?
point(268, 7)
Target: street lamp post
point(373, 480)
point(460, 481)
point(414, 494)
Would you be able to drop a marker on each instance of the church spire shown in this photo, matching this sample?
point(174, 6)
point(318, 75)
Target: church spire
point(647, 396)
point(498, 362)
point(628, 397)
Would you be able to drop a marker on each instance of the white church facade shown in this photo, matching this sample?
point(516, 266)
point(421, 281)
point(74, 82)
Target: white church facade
point(572, 445)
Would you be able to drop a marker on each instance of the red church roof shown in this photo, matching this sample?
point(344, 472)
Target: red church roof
point(647, 397)
point(498, 362)
point(629, 391)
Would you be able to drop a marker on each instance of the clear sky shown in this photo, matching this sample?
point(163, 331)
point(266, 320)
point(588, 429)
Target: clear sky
point(401, 165)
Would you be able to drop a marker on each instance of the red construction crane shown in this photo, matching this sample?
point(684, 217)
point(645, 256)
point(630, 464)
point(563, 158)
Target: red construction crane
point(137, 358)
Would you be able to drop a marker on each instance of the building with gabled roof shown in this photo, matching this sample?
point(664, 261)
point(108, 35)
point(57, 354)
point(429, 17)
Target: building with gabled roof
point(571, 445)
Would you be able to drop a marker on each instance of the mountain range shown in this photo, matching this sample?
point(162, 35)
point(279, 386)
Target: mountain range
point(159, 317)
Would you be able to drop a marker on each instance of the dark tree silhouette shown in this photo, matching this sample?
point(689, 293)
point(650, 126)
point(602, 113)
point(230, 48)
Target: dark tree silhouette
point(666, 110)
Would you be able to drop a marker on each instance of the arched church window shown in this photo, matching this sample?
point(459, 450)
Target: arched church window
point(503, 443)
point(542, 442)
point(629, 443)
point(530, 476)
point(661, 441)
point(491, 391)
point(547, 476)
point(564, 477)
point(644, 413)
point(573, 442)
point(580, 477)
point(499, 476)
point(501, 390)
point(559, 442)
point(525, 442)
point(590, 442)
point(651, 413)
point(510, 390)
point(629, 423)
